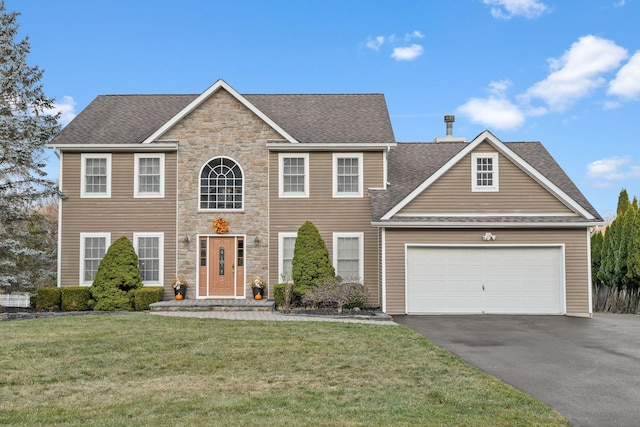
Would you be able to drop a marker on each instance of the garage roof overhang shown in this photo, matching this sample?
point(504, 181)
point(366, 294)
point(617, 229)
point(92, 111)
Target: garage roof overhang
point(484, 224)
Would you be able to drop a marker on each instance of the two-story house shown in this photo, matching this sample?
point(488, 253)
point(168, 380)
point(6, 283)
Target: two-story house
point(442, 227)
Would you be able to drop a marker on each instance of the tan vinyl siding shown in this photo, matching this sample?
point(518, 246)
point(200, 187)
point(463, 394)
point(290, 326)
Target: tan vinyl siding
point(327, 213)
point(518, 193)
point(120, 215)
point(577, 280)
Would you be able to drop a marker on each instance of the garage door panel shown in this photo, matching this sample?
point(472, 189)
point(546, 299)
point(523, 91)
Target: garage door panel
point(500, 280)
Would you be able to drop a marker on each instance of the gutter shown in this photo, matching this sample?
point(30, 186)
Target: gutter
point(101, 148)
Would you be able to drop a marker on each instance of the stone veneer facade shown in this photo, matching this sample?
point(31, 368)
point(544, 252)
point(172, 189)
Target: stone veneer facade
point(222, 126)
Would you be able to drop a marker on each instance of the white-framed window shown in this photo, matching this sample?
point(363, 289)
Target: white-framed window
point(221, 185)
point(286, 245)
point(150, 250)
point(149, 175)
point(294, 174)
point(93, 246)
point(347, 175)
point(484, 172)
point(348, 255)
point(96, 175)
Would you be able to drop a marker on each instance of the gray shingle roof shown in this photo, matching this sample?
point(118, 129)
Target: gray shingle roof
point(352, 118)
point(410, 164)
point(129, 119)
point(121, 119)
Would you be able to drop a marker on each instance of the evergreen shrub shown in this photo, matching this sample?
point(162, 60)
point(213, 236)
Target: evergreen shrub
point(49, 299)
point(310, 264)
point(117, 276)
point(144, 297)
point(76, 298)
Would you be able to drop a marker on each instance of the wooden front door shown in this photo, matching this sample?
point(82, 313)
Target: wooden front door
point(221, 270)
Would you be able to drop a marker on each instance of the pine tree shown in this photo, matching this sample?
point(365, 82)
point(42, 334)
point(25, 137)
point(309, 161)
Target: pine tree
point(25, 127)
point(623, 202)
point(597, 240)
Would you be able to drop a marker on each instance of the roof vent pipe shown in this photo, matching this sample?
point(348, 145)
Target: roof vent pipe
point(449, 119)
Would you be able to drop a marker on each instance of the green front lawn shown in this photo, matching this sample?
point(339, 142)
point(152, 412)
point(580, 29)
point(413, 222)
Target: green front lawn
point(151, 370)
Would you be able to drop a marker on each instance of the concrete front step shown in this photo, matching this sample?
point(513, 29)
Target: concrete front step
point(213, 305)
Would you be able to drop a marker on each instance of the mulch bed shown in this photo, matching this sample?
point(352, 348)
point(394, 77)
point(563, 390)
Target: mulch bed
point(330, 312)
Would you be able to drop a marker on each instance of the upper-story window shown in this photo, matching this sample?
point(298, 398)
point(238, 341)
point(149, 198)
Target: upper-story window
point(149, 175)
point(96, 175)
point(347, 175)
point(294, 174)
point(221, 185)
point(484, 172)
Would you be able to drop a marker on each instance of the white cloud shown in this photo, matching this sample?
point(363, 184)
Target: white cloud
point(400, 52)
point(507, 9)
point(499, 87)
point(605, 173)
point(494, 112)
point(577, 72)
point(407, 53)
point(414, 35)
point(375, 43)
point(627, 82)
point(66, 108)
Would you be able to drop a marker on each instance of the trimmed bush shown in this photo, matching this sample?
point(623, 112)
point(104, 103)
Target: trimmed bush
point(118, 274)
point(310, 263)
point(76, 298)
point(336, 293)
point(49, 299)
point(144, 297)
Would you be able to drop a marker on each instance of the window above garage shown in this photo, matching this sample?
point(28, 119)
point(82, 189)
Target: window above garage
point(484, 172)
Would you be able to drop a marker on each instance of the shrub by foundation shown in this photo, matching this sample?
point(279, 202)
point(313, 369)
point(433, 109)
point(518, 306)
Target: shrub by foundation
point(336, 293)
point(76, 298)
point(285, 295)
point(310, 263)
point(117, 276)
point(144, 297)
point(49, 299)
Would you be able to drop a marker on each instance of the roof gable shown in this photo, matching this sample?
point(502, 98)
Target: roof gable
point(220, 84)
point(459, 151)
point(452, 194)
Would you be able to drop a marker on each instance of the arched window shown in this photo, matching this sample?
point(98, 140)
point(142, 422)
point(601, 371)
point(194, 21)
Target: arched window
point(221, 184)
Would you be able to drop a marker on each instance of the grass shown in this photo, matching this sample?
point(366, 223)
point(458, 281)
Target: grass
point(141, 369)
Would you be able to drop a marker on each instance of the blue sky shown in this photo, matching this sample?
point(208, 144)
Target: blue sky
point(566, 73)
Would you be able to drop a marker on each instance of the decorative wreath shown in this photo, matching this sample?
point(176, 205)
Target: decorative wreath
point(221, 226)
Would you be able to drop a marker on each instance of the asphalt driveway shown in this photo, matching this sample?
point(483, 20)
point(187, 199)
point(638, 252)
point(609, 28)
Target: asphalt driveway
point(586, 369)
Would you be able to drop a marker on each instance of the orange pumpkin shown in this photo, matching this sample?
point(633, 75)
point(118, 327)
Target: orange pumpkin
point(178, 297)
point(258, 297)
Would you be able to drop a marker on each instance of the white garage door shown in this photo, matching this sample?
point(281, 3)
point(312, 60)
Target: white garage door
point(499, 280)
